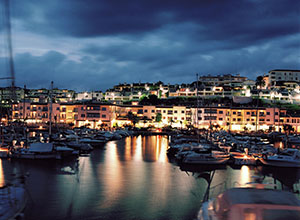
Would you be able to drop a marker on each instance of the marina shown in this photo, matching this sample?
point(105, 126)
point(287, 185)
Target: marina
point(131, 178)
point(219, 139)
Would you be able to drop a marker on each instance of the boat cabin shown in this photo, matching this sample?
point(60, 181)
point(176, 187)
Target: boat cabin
point(254, 204)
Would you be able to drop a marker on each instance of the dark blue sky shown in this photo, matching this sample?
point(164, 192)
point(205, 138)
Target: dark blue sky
point(95, 44)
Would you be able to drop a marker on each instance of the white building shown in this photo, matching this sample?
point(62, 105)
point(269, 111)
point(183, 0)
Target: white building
point(94, 95)
point(282, 75)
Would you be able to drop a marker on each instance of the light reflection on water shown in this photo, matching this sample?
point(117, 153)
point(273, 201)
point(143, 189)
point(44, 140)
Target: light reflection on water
point(2, 180)
point(130, 179)
point(244, 175)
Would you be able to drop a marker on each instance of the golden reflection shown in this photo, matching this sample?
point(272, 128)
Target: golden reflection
point(245, 175)
point(150, 150)
point(2, 181)
point(112, 176)
point(138, 156)
point(163, 144)
point(281, 146)
point(154, 148)
point(128, 149)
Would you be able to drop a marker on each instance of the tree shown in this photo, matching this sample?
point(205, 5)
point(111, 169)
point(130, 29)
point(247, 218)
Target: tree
point(260, 82)
point(133, 118)
point(159, 93)
point(153, 99)
point(288, 128)
point(150, 100)
point(158, 117)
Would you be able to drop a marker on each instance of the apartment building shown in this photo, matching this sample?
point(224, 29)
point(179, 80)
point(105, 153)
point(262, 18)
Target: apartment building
point(277, 75)
point(6, 94)
point(97, 115)
point(94, 95)
point(93, 114)
point(36, 112)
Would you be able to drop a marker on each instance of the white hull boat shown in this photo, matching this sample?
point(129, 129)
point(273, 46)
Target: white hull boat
point(36, 151)
point(286, 158)
point(205, 158)
point(251, 203)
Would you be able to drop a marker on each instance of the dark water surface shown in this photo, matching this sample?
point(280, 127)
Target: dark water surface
point(129, 179)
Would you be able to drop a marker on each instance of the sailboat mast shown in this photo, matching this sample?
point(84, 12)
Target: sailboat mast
point(197, 99)
point(50, 110)
point(10, 50)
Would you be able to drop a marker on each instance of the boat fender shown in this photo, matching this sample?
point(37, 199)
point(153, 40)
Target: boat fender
point(264, 156)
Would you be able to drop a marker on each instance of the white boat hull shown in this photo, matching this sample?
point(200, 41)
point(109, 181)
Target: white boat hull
point(210, 161)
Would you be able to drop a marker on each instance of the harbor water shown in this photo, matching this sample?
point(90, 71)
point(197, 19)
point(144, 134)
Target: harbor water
point(129, 179)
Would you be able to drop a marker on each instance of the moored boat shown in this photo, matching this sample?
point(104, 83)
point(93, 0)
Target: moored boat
point(36, 151)
point(251, 203)
point(286, 158)
point(206, 158)
point(93, 142)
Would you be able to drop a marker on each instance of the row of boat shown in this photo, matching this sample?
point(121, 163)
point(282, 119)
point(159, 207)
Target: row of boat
point(63, 145)
point(69, 143)
point(217, 151)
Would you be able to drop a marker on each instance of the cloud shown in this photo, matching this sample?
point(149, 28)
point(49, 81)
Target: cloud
point(216, 19)
point(96, 44)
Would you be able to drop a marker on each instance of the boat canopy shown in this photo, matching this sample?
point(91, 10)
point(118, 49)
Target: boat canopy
point(41, 147)
point(255, 196)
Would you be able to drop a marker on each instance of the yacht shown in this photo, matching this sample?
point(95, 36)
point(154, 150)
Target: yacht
point(251, 203)
point(35, 151)
point(208, 157)
point(287, 158)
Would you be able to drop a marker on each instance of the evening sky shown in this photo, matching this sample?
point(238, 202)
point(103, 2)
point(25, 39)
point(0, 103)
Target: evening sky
point(95, 44)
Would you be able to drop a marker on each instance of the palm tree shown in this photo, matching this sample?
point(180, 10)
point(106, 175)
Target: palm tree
point(260, 82)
